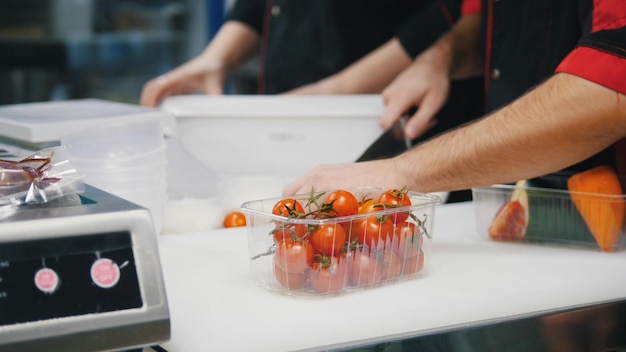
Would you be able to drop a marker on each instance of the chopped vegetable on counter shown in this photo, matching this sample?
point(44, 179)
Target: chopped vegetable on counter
point(511, 221)
point(603, 215)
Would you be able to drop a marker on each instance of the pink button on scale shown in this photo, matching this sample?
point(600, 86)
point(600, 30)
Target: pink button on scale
point(105, 273)
point(46, 280)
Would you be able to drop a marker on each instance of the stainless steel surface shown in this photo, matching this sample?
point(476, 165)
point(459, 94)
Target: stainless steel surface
point(599, 328)
point(71, 221)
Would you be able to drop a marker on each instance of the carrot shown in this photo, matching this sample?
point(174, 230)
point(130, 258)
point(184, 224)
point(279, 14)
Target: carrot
point(599, 199)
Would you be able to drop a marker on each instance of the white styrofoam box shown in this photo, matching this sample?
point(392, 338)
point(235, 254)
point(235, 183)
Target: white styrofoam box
point(275, 134)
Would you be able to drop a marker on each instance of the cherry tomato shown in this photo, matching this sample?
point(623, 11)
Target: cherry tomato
point(391, 263)
point(372, 231)
point(413, 262)
point(406, 239)
point(364, 269)
point(292, 231)
point(328, 274)
point(291, 281)
point(407, 243)
point(235, 219)
point(293, 256)
point(369, 206)
point(396, 198)
point(342, 203)
point(328, 239)
point(288, 207)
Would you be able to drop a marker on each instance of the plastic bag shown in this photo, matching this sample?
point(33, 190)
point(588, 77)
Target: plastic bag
point(38, 178)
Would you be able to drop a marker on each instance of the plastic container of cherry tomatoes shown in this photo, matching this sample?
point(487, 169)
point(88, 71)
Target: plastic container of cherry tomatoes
point(329, 243)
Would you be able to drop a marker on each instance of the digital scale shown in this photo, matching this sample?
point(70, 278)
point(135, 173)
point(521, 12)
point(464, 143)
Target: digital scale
point(80, 273)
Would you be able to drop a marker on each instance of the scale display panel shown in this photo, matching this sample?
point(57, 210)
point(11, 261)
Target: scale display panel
point(67, 276)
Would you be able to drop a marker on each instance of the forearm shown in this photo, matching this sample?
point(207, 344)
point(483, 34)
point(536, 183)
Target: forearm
point(232, 46)
point(207, 72)
point(459, 48)
point(375, 71)
point(467, 57)
point(369, 75)
point(563, 121)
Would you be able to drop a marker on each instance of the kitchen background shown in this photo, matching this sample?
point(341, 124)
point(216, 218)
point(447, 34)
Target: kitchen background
point(72, 49)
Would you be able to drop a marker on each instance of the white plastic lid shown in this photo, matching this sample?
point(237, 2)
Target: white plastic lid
point(48, 121)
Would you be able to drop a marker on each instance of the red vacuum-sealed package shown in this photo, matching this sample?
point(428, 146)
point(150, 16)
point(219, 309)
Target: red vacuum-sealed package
point(38, 178)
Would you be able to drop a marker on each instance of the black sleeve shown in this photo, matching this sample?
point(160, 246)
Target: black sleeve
point(250, 12)
point(428, 25)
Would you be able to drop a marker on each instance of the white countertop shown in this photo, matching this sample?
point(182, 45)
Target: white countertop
point(215, 306)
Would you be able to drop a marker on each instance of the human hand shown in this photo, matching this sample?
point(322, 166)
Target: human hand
point(197, 75)
point(424, 85)
point(377, 173)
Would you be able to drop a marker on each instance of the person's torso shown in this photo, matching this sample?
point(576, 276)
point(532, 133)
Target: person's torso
point(307, 40)
point(525, 40)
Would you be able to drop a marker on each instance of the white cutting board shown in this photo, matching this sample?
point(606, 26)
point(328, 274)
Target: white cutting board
point(471, 281)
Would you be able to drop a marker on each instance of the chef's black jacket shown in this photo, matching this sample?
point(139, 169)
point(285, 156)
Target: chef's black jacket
point(525, 42)
point(304, 41)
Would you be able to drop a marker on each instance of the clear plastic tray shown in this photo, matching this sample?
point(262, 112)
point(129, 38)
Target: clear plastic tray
point(553, 217)
point(402, 251)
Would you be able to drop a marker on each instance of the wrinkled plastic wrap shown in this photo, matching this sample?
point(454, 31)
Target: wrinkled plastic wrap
point(39, 178)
